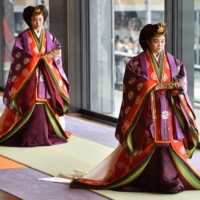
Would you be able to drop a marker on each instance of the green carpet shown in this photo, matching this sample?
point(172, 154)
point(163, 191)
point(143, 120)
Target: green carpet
point(81, 154)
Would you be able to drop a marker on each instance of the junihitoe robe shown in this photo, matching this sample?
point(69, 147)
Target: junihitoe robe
point(36, 93)
point(156, 131)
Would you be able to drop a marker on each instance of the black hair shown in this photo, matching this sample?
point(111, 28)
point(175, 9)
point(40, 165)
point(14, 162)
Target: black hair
point(147, 33)
point(28, 13)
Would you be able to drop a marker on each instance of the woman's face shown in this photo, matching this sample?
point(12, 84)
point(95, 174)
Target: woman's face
point(37, 22)
point(157, 44)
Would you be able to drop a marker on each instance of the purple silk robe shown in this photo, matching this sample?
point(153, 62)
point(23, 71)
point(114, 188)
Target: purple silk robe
point(39, 128)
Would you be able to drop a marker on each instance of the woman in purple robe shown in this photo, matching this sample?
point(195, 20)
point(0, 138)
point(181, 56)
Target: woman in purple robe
point(156, 128)
point(37, 90)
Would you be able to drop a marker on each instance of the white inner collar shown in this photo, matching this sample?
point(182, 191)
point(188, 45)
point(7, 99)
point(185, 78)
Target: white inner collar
point(157, 57)
point(38, 33)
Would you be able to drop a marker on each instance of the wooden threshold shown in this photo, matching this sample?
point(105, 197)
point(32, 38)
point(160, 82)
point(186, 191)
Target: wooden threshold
point(6, 196)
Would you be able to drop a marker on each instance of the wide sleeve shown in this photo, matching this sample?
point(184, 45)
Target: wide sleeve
point(182, 108)
point(53, 43)
point(135, 102)
point(19, 59)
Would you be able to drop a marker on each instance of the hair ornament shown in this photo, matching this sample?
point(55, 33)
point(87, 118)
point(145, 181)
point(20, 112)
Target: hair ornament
point(161, 29)
point(37, 10)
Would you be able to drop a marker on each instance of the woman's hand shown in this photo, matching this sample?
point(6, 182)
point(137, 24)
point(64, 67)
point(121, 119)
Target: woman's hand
point(51, 54)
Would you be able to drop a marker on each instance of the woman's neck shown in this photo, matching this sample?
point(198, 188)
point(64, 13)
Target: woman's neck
point(37, 30)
